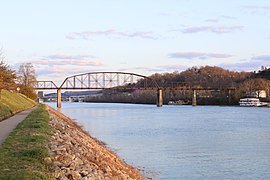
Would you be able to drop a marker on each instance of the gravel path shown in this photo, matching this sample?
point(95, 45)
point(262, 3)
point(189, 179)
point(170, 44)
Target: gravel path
point(8, 125)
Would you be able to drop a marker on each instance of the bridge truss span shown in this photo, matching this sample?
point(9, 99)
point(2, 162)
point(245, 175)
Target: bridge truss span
point(109, 80)
point(44, 85)
point(103, 80)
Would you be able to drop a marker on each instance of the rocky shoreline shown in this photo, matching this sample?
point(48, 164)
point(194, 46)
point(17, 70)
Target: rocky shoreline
point(76, 155)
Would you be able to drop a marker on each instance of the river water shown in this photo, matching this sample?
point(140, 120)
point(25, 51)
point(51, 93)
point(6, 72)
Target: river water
point(182, 142)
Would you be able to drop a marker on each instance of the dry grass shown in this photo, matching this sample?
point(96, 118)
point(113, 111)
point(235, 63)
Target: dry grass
point(11, 103)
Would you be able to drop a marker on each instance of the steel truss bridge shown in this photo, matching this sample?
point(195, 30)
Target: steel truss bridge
point(103, 81)
point(113, 81)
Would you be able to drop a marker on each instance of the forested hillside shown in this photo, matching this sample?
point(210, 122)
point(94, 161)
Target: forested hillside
point(219, 87)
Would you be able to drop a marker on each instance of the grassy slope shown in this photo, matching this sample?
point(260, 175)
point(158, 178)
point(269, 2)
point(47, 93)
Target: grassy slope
point(22, 154)
point(13, 102)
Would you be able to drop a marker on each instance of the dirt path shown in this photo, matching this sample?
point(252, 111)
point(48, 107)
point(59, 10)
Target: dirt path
point(8, 125)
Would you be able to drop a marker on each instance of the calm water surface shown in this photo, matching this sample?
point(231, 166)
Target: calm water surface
point(182, 142)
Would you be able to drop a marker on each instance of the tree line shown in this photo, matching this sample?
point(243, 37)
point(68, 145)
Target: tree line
point(218, 87)
point(17, 81)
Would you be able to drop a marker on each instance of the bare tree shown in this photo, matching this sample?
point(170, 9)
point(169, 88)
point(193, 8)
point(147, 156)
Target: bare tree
point(26, 74)
point(25, 77)
point(7, 75)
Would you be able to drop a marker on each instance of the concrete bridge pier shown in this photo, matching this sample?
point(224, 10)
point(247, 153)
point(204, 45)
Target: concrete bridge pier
point(194, 98)
point(159, 98)
point(59, 103)
point(229, 96)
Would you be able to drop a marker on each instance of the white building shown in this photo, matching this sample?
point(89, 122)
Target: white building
point(257, 94)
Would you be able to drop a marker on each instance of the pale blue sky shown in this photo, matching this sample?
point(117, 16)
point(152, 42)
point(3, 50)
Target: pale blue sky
point(65, 37)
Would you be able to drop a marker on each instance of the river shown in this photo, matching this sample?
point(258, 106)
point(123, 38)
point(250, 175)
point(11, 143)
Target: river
point(182, 142)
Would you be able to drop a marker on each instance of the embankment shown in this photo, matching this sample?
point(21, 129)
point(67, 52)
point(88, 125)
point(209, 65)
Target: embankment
point(11, 103)
point(22, 154)
point(76, 155)
point(49, 145)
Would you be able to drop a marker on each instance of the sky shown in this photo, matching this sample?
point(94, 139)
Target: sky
point(68, 37)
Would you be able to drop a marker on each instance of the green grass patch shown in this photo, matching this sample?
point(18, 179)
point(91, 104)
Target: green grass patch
point(22, 154)
point(11, 103)
point(4, 111)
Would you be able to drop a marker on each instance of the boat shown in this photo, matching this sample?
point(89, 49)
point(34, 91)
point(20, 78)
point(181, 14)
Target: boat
point(249, 102)
point(179, 102)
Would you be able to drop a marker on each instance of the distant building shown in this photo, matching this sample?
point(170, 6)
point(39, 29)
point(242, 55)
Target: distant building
point(257, 94)
point(39, 100)
point(263, 68)
point(40, 94)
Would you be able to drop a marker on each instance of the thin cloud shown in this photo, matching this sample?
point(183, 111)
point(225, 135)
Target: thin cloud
point(239, 66)
point(252, 64)
point(77, 60)
point(71, 62)
point(165, 14)
point(256, 7)
point(57, 56)
point(262, 58)
point(214, 20)
point(213, 29)
point(58, 69)
point(220, 18)
point(160, 68)
point(163, 68)
point(61, 65)
point(113, 33)
point(228, 17)
point(64, 70)
point(174, 67)
point(197, 55)
point(243, 66)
